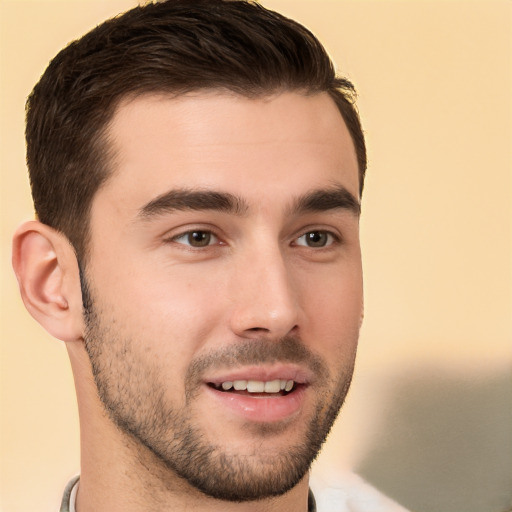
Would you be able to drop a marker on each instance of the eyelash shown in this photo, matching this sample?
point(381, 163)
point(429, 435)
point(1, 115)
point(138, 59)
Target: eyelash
point(330, 238)
point(187, 234)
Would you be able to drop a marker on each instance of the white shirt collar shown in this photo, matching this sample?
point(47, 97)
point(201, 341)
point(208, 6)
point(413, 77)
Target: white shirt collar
point(72, 497)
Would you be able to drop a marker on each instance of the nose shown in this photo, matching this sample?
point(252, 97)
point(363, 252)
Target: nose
point(265, 301)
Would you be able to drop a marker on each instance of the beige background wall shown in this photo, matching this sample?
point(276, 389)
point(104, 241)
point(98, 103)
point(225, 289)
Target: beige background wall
point(429, 417)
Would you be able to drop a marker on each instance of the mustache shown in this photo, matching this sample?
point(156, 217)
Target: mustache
point(289, 349)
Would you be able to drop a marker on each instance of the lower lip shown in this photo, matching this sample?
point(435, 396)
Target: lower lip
point(260, 409)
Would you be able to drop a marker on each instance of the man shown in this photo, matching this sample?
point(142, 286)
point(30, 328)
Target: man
point(196, 169)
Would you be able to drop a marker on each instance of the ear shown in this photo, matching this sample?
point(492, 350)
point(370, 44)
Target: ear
point(47, 271)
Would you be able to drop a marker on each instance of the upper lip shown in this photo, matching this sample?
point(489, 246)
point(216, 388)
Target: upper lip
point(298, 374)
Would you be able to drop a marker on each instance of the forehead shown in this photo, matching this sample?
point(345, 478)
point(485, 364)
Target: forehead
point(220, 141)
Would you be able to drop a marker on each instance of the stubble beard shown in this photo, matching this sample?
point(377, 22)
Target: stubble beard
point(132, 390)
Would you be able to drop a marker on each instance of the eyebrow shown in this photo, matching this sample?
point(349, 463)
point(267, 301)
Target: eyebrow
point(194, 200)
point(322, 200)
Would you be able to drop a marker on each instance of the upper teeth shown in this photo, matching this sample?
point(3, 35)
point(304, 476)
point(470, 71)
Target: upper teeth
point(259, 386)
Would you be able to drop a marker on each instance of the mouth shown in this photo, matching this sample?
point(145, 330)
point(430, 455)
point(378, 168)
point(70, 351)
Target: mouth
point(260, 395)
point(257, 388)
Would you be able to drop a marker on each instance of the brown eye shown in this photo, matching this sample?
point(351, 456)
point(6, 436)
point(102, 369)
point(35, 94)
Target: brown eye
point(199, 238)
point(196, 238)
point(315, 239)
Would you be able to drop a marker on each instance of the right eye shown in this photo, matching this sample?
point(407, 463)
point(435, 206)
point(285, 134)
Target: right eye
point(196, 238)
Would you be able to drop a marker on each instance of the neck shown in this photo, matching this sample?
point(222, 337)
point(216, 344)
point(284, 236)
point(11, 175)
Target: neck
point(118, 474)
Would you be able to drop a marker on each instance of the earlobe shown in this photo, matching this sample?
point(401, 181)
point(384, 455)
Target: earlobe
point(47, 273)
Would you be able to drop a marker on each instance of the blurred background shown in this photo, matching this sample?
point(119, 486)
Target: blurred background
point(429, 418)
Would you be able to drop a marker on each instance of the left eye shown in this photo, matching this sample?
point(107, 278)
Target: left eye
point(315, 239)
point(196, 238)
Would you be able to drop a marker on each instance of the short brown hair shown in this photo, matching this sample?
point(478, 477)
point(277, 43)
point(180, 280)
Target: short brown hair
point(174, 46)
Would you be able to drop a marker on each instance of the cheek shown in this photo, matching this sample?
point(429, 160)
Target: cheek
point(186, 297)
point(159, 330)
point(167, 310)
point(333, 307)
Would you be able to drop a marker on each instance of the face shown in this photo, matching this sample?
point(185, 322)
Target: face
point(224, 288)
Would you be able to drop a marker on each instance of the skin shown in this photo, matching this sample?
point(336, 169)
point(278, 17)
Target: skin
point(161, 305)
